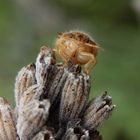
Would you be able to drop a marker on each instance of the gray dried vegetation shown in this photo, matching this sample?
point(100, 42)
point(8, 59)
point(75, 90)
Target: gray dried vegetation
point(52, 103)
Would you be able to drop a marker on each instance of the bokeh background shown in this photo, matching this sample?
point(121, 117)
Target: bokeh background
point(26, 25)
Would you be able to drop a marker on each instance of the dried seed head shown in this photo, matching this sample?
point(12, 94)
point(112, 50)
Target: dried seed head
point(97, 111)
point(32, 117)
point(67, 89)
point(74, 96)
point(24, 79)
point(7, 126)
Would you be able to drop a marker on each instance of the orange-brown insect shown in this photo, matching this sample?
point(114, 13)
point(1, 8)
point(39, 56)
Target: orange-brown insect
point(77, 47)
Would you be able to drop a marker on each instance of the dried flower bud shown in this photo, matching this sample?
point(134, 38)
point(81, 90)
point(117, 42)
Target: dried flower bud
point(55, 86)
point(7, 126)
point(24, 79)
point(44, 65)
point(97, 111)
point(32, 112)
point(74, 96)
point(31, 118)
point(48, 74)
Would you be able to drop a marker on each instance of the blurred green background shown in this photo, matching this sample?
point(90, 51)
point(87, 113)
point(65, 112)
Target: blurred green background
point(26, 25)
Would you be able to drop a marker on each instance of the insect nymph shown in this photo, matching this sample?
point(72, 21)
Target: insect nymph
point(77, 47)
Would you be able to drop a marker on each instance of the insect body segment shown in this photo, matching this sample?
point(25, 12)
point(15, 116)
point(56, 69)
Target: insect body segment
point(79, 48)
